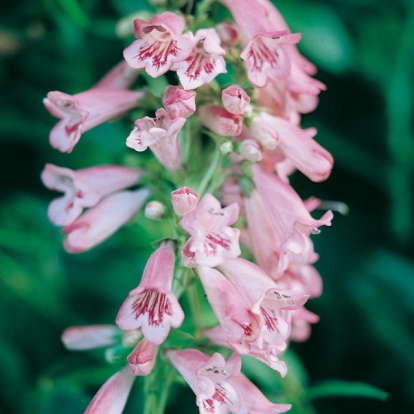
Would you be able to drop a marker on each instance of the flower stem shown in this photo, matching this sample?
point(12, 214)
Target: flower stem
point(210, 172)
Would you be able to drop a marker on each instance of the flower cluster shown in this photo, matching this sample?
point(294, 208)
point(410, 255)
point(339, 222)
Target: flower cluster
point(226, 154)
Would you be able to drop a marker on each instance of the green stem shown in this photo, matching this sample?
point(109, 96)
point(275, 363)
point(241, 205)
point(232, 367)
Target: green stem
point(194, 301)
point(210, 172)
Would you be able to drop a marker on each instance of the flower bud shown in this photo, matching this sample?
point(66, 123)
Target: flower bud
point(228, 33)
point(220, 121)
point(250, 150)
point(142, 359)
point(263, 133)
point(154, 210)
point(183, 200)
point(179, 102)
point(235, 99)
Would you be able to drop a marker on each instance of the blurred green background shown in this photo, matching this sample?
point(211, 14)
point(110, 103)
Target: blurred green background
point(364, 51)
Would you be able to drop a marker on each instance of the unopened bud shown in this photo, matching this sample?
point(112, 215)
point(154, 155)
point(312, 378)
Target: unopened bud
point(221, 121)
point(179, 102)
point(263, 133)
point(228, 33)
point(235, 99)
point(250, 150)
point(183, 200)
point(154, 210)
point(142, 359)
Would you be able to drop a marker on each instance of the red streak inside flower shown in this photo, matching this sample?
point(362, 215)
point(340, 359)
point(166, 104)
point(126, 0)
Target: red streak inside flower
point(155, 304)
point(270, 319)
point(215, 239)
point(70, 129)
point(158, 51)
point(259, 54)
point(197, 63)
point(219, 396)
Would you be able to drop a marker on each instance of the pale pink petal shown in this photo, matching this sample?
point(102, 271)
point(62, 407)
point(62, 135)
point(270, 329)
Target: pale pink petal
point(121, 76)
point(253, 401)
point(112, 396)
point(79, 338)
point(101, 221)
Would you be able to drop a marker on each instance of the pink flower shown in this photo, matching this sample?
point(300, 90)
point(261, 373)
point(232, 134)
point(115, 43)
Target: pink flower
point(179, 102)
point(209, 378)
point(121, 76)
point(220, 121)
point(160, 134)
point(80, 338)
point(301, 320)
point(240, 322)
point(183, 200)
point(265, 56)
point(142, 359)
point(264, 242)
point(205, 61)
point(295, 144)
point(84, 188)
point(84, 111)
point(289, 216)
point(228, 33)
point(235, 99)
point(262, 351)
point(152, 306)
point(253, 401)
point(264, 296)
point(159, 45)
point(213, 240)
point(112, 396)
point(102, 220)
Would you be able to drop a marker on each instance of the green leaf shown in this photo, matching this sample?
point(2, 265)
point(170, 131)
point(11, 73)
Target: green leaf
point(338, 388)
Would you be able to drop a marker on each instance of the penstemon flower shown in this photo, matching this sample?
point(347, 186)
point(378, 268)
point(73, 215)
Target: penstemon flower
point(217, 183)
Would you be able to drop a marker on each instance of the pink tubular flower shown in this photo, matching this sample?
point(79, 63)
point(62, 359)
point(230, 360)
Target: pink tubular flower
point(265, 56)
point(220, 121)
point(112, 396)
point(80, 338)
point(209, 378)
point(121, 76)
point(264, 297)
point(235, 99)
point(142, 359)
point(262, 351)
point(159, 45)
point(152, 306)
point(289, 216)
point(183, 200)
point(228, 33)
point(84, 188)
point(212, 239)
point(295, 144)
point(160, 134)
point(253, 401)
point(205, 61)
point(84, 111)
point(241, 325)
point(101, 221)
point(179, 102)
